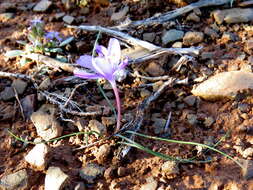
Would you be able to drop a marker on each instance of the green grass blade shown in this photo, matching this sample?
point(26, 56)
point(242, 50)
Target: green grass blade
point(187, 143)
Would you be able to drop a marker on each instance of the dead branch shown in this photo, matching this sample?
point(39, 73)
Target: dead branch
point(159, 19)
point(53, 63)
point(14, 75)
point(137, 42)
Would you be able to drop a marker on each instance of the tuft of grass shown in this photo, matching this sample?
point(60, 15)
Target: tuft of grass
point(55, 139)
point(166, 157)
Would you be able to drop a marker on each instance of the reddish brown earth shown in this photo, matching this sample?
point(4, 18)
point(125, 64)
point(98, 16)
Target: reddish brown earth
point(221, 173)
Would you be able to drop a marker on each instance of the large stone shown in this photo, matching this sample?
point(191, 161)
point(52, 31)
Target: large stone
point(42, 6)
point(37, 156)
point(171, 36)
point(235, 15)
point(55, 179)
point(45, 122)
point(15, 181)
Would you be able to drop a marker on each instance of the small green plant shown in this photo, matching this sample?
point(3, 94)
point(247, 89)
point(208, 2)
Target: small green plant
point(40, 41)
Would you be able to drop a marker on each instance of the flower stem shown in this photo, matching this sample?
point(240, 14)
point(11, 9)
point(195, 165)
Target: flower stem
point(116, 93)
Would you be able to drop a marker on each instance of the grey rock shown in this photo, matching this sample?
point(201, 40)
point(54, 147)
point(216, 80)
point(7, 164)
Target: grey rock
point(28, 105)
point(158, 125)
point(15, 181)
point(102, 153)
point(171, 36)
point(42, 6)
point(7, 94)
point(91, 171)
point(193, 17)
point(145, 93)
point(68, 19)
point(6, 16)
point(84, 11)
point(37, 156)
point(190, 100)
point(207, 55)
point(151, 184)
point(7, 5)
point(120, 15)
point(45, 122)
point(235, 15)
point(192, 119)
point(19, 86)
point(211, 32)
point(55, 179)
point(191, 38)
point(95, 125)
point(154, 69)
point(149, 36)
point(209, 121)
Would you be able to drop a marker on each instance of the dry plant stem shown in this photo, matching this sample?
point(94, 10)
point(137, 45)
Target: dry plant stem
point(19, 103)
point(173, 14)
point(14, 75)
point(53, 63)
point(137, 42)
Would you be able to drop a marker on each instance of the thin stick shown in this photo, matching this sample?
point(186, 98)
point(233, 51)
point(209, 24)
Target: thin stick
point(20, 106)
point(172, 14)
point(14, 75)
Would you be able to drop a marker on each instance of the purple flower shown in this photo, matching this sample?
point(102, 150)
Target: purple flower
point(36, 21)
point(53, 35)
point(106, 65)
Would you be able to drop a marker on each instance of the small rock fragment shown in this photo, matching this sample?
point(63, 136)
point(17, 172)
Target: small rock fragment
point(190, 100)
point(177, 45)
point(58, 16)
point(209, 121)
point(55, 179)
point(15, 181)
point(45, 84)
point(191, 38)
point(19, 86)
point(159, 125)
point(68, 19)
point(102, 153)
point(150, 37)
point(247, 152)
point(95, 125)
point(42, 6)
point(228, 36)
point(108, 121)
point(122, 171)
point(90, 172)
point(154, 69)
point(120, 15)
point(45, 122)
point(211, 32)
point(109, 172)
point(169, 169)
point(171, 36)
point(151, 184)
point(193, 17)
point(6, 16)
point(7, 94)
point(192, 119)
point(37, 156)
point(68, 4)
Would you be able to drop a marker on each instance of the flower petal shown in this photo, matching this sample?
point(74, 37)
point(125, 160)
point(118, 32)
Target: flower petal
point(86, 75)
point(103, 67)
point(123, 64)
point(86, 61)
point(114, 52)
point(101, 51)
